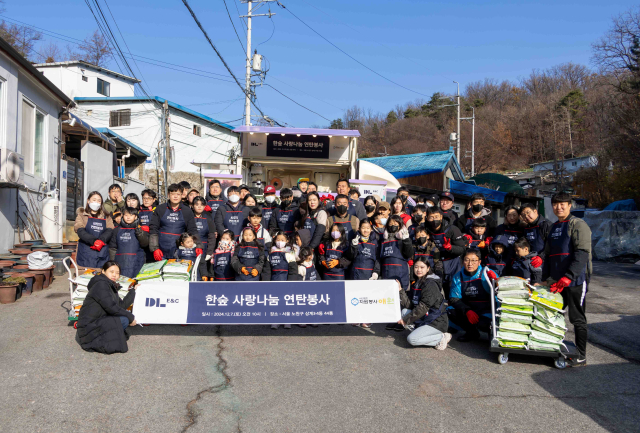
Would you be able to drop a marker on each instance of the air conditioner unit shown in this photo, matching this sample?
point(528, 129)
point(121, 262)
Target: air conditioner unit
point(11, 167)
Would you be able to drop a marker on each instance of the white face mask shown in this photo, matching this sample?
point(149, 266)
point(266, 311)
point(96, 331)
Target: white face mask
point(335, 235)
point(95, 206)
point(234, 198)
point(270, 198)
point(383, 221)
point(281, 244)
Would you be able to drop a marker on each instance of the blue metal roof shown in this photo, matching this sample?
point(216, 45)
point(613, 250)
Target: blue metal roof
point(124, 140)
point(417, 164)
point(466, 189)
point(160, 100)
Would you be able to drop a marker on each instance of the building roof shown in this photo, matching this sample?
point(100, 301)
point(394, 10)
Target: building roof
point(158, 99)
point(137, 149)
point(301, 131)
point(80, 124)
point(84, 64)
point(417, 164)
point(467, 189)
point(499, 182)
point(6, 47)
point(561, 160)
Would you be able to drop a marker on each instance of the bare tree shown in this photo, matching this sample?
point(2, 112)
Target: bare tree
point(95, 49)
point(51, 53)
point(22, 38)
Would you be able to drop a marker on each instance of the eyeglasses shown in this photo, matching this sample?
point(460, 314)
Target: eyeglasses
point(470, 261)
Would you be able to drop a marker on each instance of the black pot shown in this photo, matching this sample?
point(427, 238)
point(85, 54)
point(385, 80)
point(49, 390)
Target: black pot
point(60, 254)
point(34, 241)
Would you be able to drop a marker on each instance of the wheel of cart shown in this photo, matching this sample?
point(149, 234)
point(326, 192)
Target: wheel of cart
point(67, 262)
point(560, 360)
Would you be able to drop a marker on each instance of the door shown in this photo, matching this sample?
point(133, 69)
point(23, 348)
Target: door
point(75, 186)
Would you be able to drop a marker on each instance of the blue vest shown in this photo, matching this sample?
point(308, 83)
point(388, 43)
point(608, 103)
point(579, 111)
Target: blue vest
point(249, 257)
point(561, 253)
point(362, 265)
point(203, 231)
point(415, 293)
point(311, 273)
point(187, 254)
point(394, 265)
point(233, 221)
point(214, 205)
point(172, 225)
point(474, 293)
point(222, 270)
point(534, 236)
point(519, 268)
point(496, 265)
point(87, 257)
point(286, 218)
point(144, 215)
point(129, 254)
point(310, 224)
point(279, 266)
point(427, 254)
point(266, 215)
point(334, 254)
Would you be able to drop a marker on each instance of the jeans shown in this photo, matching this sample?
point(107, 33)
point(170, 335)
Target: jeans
point(423, 336)
point(125, 321)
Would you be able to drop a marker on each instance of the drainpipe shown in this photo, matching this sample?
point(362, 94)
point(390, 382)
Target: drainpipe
point(125, 157)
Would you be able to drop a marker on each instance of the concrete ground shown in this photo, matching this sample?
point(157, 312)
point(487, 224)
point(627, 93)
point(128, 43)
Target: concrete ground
point(331, 378)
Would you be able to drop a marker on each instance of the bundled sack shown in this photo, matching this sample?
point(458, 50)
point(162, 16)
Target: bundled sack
point(151, 271)
point(510, 284)
point(177, 270)
point(515, 327)
point(517, 318)
point(543, 337)
point(512, 344)
point(550, 347)
point(512, 336)
point(543, 297)
point(550, 317)
point(516, 306)
point(539, 325)
point(513, 294)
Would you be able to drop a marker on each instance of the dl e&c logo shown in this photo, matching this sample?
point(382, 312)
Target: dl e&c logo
point(154, 302)
point(354, 301)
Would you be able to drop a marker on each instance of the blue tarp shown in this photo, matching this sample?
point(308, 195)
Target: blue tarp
point(629, 205)
point(465, 189)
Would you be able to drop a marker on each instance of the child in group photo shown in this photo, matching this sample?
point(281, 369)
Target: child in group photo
point(248, 259)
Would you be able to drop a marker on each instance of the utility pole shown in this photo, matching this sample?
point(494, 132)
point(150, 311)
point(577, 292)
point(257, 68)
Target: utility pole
point(473, 140)
point(167, 148)
point(248, 85)
point(458, 129)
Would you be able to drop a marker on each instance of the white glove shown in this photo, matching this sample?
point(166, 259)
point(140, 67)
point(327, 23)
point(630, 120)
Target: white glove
point(403, 233)
point(208, 257)
point(355, 241)
point(374, 276)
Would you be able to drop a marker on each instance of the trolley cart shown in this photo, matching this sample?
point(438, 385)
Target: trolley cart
point(503, 352)
point(73, 285)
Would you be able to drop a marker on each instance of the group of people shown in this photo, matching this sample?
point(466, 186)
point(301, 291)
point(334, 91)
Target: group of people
point(436, 256)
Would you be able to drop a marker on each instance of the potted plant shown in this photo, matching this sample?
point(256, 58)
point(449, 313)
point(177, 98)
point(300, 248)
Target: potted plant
point(9, 289)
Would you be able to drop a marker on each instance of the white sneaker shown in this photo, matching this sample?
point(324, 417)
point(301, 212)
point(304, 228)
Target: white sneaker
point(446, 337)
point(274, 326)
point(287, 326)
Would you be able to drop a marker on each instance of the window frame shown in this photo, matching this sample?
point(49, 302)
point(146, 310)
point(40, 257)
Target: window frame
point(103, 82)
point(119, 117)
point(197, 130)
point(30, 162)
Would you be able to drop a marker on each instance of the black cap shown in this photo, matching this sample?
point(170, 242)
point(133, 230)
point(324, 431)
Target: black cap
point(447, 194)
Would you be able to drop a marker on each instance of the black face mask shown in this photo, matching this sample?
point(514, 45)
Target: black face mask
point(286, 203)
point(433, 225)
point(421, 240)
point(369, 208)
point(416, 219)
point(341, 209)
point(393, 229)
point(403, 198)
point(477, 208)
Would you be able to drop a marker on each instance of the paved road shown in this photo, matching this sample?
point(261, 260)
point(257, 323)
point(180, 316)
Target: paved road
point(331, 378)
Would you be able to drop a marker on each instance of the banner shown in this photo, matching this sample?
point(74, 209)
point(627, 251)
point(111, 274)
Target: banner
point(267, 302)
point(292, 146)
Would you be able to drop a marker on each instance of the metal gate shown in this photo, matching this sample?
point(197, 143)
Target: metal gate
point(75, 186)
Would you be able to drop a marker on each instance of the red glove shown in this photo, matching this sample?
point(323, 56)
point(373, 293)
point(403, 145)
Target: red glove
point(488, 241)
point(157, 254)
point(560, 285)
point(97, 245)
point(410, 262)
point(447, 244)
point(473, 317)
point(144, 228)
point(199, 251)
point(321, 249)
point(536, 262)
point(468, 238)
point(492, 275)
point(207, 208)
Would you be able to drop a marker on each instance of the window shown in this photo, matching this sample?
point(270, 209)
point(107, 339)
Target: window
point(574, 163)
point(84, 78)
point(103, 87)
point(120, 118)
point(32, 139)
point(197, 130)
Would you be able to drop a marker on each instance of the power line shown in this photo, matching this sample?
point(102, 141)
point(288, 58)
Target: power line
point(349, 55)
point(295, 102)
point(234, 28)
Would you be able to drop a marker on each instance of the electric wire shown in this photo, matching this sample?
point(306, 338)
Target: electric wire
point(297, 103)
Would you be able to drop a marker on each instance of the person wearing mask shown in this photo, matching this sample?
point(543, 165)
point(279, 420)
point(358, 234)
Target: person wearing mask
point(417, 219)
point(568, 265)
point(128, 242)
point(232, 214)
point(474, 211)
point(396, 250)
point(343, 218)
point(115, 200)
point(379, 224)
point(407, 201)
point(449, 241)
point(94, 228)
point(215, 197)
point(269, 204)
point(313, 218)
point(144, 217)
point(186, 187)
point(280, 263)
point(537, 228)
point(248, 259)
point(355, 207)
point(424, 310)
point(104, 317)
point(471, 297)
point(398, 208)
point(284, 216)
point(425, 247)
point(446, 205)
point(384, 208)
point(334, 262)
point(363, 253)
point(168, 222)
point(370, 205)
point(512, 229)
point(207, 233)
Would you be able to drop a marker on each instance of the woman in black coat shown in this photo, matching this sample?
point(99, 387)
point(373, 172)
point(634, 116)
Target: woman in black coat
point(104, 317)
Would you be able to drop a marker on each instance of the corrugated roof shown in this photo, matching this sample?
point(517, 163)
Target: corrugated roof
point(466, 189)
point(124, 140)
point(416, 164)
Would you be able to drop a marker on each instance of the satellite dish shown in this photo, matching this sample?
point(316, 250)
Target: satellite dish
point(276, 182)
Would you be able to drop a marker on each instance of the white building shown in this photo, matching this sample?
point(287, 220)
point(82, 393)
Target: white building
point(30, 110)
point(568, 165)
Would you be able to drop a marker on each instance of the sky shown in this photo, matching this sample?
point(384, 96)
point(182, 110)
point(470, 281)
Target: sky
point(423, 46)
